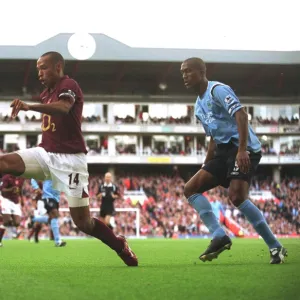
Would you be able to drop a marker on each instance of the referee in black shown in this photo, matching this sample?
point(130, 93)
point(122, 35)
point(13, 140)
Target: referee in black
point(108, 193)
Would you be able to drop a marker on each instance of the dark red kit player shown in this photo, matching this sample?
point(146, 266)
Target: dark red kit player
point(61, 156)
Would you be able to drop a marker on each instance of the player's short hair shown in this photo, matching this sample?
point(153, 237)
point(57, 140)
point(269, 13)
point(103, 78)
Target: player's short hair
point(197, 63)
point(55, 57)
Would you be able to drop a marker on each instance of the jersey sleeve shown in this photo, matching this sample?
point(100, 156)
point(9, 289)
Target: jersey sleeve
point(34, 184)
point(226, 97)
point(67, 90)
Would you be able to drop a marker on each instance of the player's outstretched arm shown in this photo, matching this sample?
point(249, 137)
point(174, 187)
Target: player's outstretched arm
point(242, 157)
point(241, 118)
point(18, 105)
point(62, 106)
point(54, 108)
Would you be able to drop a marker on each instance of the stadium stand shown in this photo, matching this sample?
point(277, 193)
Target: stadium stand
point(165, 212)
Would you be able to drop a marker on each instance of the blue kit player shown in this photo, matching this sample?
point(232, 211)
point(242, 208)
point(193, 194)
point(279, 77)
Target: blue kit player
point(233, 155)
point(50, 197)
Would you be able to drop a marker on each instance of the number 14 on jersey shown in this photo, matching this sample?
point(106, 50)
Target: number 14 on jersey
point(73, 180)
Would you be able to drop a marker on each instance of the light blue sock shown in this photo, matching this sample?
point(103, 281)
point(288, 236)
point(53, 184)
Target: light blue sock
point(55, 230)
point(41, 219)
point(258, 221)
point(203, 207)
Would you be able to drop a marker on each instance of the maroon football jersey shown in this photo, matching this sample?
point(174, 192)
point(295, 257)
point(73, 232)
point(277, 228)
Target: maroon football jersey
point(62, 133)
point(9, 181)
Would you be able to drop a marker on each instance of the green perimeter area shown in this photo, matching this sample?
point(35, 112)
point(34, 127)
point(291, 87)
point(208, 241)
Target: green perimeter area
point(168, 269)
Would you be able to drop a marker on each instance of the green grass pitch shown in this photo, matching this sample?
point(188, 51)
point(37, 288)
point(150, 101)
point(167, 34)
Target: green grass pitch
point(168, 269)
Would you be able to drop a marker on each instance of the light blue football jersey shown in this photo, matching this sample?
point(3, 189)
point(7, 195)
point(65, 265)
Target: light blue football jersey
point(215, 109)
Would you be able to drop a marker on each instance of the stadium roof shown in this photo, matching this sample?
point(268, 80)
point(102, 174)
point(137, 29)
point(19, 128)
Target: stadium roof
point(103, 48)
point(116, 69)
point(144, 78)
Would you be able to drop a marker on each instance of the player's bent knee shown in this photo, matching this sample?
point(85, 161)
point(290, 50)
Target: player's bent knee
point(237, 193)
point(235, 197)
point(188, 190)
point(238, 190)
point(12, 163)
point(3, 164)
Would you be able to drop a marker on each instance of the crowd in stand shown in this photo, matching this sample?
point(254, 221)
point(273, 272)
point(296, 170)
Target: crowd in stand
point(188, 120)
point(281, 121)
point(267, 150)
point(285, 150)
point(122, 149)
point(171, 120)
point(161, 150)
point(149, 120)
point(294, 120)
point(92, 119)
point(295, 149)
point(166, 213)
point(7, 119)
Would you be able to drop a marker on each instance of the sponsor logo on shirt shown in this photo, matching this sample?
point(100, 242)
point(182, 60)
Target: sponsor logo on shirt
point(207, 118)
point(228, 99)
